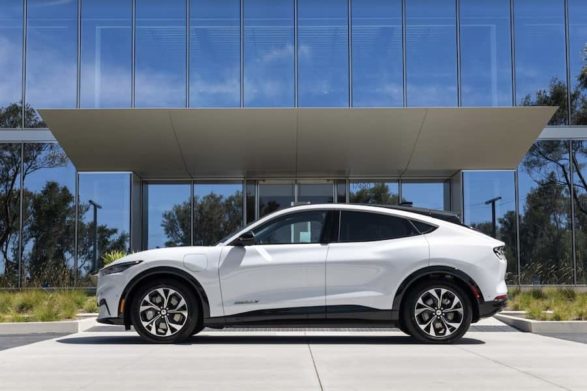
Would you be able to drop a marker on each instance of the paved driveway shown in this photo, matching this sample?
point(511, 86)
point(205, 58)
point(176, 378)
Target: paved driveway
point(493, 356)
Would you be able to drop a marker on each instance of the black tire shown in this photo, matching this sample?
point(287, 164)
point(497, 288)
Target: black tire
point(164, 320)
point(402, 327)
point(439, 329)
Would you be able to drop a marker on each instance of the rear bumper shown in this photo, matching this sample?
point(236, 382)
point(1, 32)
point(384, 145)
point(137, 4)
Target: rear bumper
point(490, 308)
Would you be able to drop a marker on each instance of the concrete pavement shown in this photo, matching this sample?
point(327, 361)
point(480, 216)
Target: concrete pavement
point(491, 356)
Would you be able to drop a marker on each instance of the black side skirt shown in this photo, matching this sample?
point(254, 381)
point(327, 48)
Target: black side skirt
point(320, 316)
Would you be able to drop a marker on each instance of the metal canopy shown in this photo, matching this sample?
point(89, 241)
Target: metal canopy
point(296, 142)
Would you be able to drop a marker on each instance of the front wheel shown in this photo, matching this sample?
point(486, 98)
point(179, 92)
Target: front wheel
point(165, 312)
point(437, 312)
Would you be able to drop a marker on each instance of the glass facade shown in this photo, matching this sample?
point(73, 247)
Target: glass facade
point(105, 61)
point(486, 67)
point(214, 53)
point(160, 79)
point(268, 53)
point(11, 48)
point(291, 53)
point(431, 53)
point(377, 53)
point(540, 55)
point(51, 56)
point(284, 53)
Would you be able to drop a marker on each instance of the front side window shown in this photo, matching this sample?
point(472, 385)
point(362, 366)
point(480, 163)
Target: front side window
point(369, 227)
point(294, 228)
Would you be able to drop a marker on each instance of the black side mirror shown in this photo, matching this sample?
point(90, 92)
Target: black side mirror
point(246, 239)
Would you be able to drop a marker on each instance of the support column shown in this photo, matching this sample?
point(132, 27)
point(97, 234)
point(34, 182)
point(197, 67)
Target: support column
point(456, 194)
point(136, 215)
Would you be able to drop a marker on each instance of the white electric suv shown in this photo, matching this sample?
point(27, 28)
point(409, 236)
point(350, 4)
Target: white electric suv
point(339, 265)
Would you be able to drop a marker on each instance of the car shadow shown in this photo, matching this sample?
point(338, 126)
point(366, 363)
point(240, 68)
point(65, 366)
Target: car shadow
point(261, 340)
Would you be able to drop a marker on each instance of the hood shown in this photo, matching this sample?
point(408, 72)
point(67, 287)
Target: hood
point(164, 254)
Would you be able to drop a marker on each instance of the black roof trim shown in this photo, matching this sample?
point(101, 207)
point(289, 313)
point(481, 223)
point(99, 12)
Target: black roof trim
point(451, 217)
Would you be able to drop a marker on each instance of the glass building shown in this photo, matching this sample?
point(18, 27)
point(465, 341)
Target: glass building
point(136, 124)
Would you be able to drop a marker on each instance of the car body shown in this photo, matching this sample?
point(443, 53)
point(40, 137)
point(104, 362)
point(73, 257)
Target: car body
point(313, 265)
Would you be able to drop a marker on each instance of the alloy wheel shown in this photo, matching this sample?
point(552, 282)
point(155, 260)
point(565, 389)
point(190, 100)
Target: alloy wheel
point(439, 312)
point(163, 312)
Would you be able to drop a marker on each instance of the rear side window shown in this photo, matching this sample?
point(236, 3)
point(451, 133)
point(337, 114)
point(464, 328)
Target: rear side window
point(369, 227)
point(423, 227)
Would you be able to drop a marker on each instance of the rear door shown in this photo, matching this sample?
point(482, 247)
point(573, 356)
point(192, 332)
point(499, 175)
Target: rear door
point(374, 253)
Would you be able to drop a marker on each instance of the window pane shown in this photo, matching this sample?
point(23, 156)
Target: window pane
point(218, 211)
point(368, 227)
point(269, 53)
point(377, 53)
point(106, 53)
point(540, 55)
point(273, 197)
point(167, 217)
point(305, 227)
point(545, 215)
point(111, 192)
point(486, 68)
point(10, 161)
point(580, 189)
point(431, 53)
point(215, 53)
point(374, 193)
point(10, 63)
point(323, 53)
point(482, 186)
point(49, 217)
point(51, 56)
point(578, 60)
point(316, 193)
point(432, 195)
point(160, 57)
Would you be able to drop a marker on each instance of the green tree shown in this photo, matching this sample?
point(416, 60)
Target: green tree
point(377, 193)
point(215, 216)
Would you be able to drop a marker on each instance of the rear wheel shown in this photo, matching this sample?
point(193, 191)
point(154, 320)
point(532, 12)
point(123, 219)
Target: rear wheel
point(437, 312)
point(165, 312)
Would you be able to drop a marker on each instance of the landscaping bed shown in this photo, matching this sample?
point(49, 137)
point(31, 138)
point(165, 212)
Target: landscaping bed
point(546, 311)
point(44, 305)
point(556, 304)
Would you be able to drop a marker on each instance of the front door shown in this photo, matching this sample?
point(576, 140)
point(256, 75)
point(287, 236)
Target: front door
point(283, 272)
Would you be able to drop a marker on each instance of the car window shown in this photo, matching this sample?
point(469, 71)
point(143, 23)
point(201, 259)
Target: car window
point(302, 227)
point(368, 227)
point(424, 228)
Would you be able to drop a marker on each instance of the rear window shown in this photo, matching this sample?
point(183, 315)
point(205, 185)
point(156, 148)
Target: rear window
point(369, 227)
point(424, 228)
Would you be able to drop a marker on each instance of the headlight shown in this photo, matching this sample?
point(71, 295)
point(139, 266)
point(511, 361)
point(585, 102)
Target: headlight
point(117, 268)
point(499, 252)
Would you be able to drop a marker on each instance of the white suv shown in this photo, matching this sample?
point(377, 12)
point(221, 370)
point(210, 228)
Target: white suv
point(339, 265)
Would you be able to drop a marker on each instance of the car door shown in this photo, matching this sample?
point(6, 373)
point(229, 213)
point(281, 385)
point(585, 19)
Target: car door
point(283, 272)
point(373, 254)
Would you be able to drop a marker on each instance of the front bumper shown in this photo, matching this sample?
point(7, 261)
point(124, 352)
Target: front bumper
point(492, 307)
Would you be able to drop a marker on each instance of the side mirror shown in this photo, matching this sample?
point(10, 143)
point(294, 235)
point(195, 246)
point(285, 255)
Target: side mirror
point(246, 239)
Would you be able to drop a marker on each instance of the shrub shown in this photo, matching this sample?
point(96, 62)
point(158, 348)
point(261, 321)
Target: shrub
point(40, 305)
point(551, 304)
point(112, 256)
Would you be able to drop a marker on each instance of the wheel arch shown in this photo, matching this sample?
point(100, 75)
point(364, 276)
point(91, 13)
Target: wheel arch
point(456, 276)
point(155, 274)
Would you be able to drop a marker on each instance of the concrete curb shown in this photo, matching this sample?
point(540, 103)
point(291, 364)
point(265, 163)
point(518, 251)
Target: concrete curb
point(544, 326)
point(63, 327)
